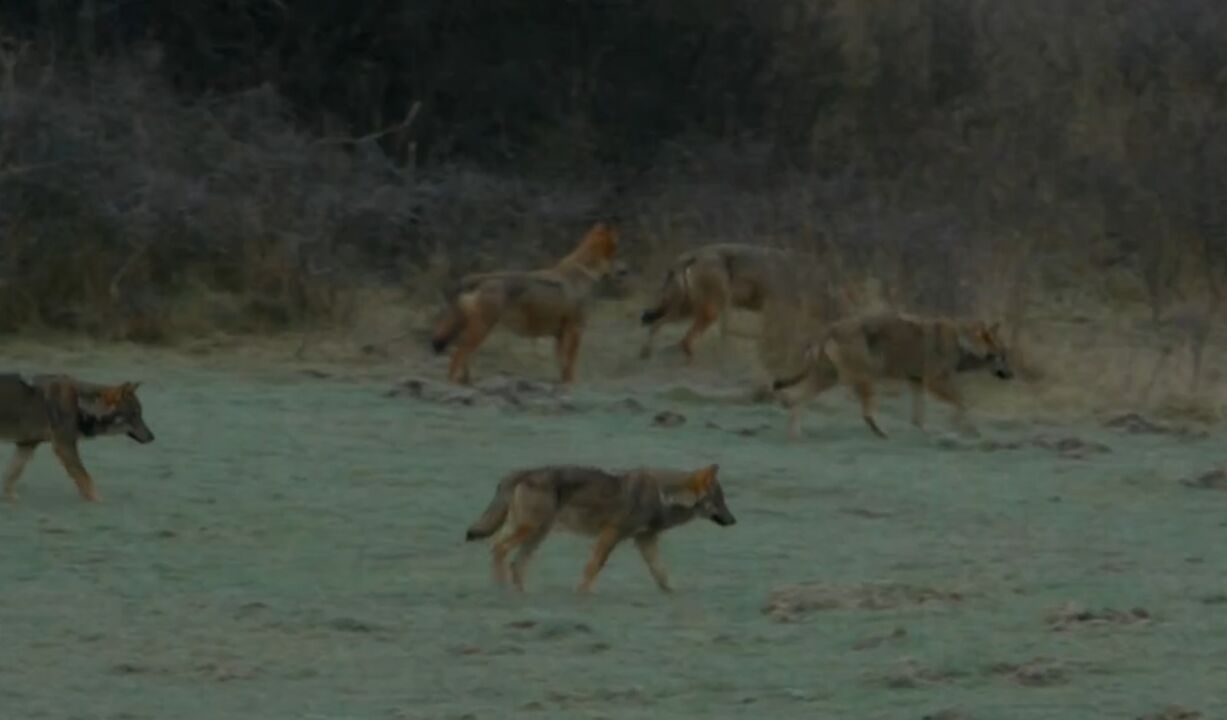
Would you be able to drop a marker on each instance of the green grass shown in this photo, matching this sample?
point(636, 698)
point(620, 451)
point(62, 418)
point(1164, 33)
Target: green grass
point(292, 547)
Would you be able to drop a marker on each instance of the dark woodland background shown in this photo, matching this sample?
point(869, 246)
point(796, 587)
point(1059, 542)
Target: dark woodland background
point(244, 165)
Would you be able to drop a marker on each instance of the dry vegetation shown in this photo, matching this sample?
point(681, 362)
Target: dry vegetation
point(1055, 163)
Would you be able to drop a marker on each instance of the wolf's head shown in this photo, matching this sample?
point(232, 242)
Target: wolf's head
point(596, 252)
point(113, 410)
point(701, 494)
point(980, 345)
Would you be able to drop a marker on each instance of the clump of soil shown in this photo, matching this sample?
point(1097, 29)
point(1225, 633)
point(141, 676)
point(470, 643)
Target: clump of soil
point(788, 604)
point(1038, 672)
point(1067, 447)
point(499, 391)
point(911, 675)
point(1135, 424)
point(874, 641)
point(668, 419)
point(1211, 480)
point(1071, 616)
point(1174, 712)
point(742, 432)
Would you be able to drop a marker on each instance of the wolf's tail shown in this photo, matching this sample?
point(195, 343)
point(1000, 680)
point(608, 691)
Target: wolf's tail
point(448, 328)
point(496, 512)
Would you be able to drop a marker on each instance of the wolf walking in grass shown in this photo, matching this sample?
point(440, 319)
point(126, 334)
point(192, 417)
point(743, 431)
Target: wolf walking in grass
point(62, 410)
point(927, 353)
point(612, 507)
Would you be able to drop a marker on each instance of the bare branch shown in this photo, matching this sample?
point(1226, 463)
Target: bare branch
point(405, 124)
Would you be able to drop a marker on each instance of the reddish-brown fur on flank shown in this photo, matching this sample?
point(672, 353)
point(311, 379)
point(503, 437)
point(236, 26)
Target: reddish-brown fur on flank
point(60, 410)
point(635, 505)
point(537, 303)
point(924, 352)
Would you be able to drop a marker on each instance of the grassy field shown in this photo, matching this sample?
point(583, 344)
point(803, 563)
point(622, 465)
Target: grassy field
point(291, 546)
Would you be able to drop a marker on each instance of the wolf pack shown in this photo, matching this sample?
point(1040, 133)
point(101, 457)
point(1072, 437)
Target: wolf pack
point(701, 286)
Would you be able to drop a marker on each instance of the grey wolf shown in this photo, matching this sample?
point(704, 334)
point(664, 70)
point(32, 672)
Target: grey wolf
point(535, 303)
point(708, 282)
point(924, 352)
point(61, 410)
point(612, 507)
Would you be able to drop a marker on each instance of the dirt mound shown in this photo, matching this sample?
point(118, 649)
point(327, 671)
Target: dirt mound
point(1135, 424)
point(1038, 672)
point(788, 604)
point(499, 391)
point(1212, 480)
point(911, 674)
point(1174, 712)
point(1071, 616)
point(1070, 447)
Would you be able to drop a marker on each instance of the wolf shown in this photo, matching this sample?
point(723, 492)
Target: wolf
point(705, 284)
point(534, 303)
point(925, 352)
point(61, 410)
point(639, 504)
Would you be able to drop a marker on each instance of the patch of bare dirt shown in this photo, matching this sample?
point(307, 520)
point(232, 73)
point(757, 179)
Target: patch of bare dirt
point(1072, 448)
point(910, 674)
point(875, 641)
point(741, 432)
point(1071, 616)
point(1174, 712)
point(500, 390)
point(668, 419)
point(1135, 424)
point(1038, 672)
point(1212, 480)
point(866, 513)
point(791, 603)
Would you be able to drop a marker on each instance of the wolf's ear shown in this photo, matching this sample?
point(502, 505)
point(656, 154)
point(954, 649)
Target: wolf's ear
point(112, 396)
point(702, 480)
point(96, 403)
point(693, 489)
point(129, 388)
